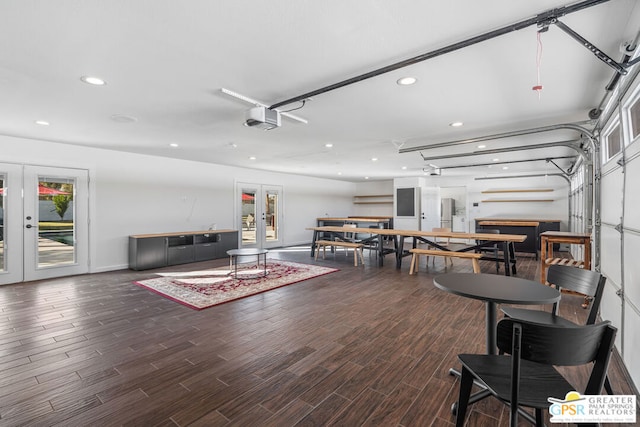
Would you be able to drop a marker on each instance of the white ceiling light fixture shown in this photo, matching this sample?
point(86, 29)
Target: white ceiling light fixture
point(42, 122)
point(328, 145)
point(92, 80)
point(406, 81)
point(456, 124)
point(482, 146)
point(173, 145)
point(252, 157)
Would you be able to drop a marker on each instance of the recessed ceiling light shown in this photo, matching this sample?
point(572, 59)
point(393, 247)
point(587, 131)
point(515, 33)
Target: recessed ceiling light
point(482, 146)
point(328, 145)
point(252, 158)
point(496, 159)
point(366, 177)
point(374, 159)
point(406, 81)
point(96, 81)
point(42, 122)
point(505, 167)
point(173, 145)
point(404, 168)
point(339, 173)
point(456, 124)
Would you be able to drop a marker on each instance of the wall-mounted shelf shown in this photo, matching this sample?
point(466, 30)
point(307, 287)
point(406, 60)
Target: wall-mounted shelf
point(373, 199)
point(521, 190)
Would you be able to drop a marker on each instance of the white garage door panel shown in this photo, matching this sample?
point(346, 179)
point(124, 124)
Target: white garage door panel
point(610, 253)
point(632, 196)
point(631, 343)
point(611, 309)
point(632, 268)
point(612, 197)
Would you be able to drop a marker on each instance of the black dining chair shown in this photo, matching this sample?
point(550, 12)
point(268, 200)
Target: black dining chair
point(526, 376)
point(493, 248)
point(586, 282)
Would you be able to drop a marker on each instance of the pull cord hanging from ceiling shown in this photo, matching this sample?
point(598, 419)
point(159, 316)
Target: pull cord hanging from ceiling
point(538, 86)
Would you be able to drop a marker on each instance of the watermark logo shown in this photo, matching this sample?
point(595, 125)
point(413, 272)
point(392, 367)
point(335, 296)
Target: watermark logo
point(576, 408)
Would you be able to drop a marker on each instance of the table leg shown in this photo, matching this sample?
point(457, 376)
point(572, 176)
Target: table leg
point(543, 259)
point(399, 252)
point(490, 324)
point(512, 255)
point(313, 242)
point(380, 250)
point(507, 259)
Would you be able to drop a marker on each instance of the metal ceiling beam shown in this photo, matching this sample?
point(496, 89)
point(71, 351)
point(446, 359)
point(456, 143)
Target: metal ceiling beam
point(541, 18)
point(546, 159)
point(571, 144)
point(522, 132)
point(535, 175)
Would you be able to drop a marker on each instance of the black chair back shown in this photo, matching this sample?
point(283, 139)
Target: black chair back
point(587, 282)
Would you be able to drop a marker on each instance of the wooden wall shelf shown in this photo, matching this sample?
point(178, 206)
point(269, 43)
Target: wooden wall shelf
point(373, 199)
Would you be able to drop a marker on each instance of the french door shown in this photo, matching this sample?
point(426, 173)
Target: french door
point(259, 215)
point(43, 222)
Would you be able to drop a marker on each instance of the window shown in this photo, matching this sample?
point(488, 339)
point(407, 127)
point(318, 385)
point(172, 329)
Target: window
point(634, 118)
point(612, 140)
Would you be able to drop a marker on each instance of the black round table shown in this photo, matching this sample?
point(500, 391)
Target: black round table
point(495, 289)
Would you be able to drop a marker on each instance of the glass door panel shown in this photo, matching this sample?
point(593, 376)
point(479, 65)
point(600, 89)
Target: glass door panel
point(271, 214)
point(248, 217)
point(56, 231)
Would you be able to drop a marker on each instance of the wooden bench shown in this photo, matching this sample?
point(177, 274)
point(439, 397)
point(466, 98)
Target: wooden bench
point(357, 248)
point(449, 254)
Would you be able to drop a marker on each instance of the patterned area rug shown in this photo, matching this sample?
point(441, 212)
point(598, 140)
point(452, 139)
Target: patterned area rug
point(206, 288)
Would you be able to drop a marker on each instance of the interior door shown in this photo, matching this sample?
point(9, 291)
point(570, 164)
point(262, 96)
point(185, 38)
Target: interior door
point(430, 208)
point(260, 215)
point(44, 222)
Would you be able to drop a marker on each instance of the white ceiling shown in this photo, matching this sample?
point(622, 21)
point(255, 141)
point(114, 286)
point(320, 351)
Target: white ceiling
point(165, 62)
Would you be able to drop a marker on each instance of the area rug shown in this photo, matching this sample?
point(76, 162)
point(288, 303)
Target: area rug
point(206, 288)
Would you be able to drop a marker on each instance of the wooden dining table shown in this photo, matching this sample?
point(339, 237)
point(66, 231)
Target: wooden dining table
point(398, 237)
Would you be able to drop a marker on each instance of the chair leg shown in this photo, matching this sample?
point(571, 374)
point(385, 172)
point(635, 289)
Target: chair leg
point(355, 257)
point(466, 381)
point(539, 418)
point(607, 386)
point(361, 253)
point(495, 251)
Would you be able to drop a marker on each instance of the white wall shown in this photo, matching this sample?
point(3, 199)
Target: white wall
point(137, 194)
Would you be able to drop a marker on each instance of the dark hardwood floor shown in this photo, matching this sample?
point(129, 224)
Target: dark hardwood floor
point(363, 346)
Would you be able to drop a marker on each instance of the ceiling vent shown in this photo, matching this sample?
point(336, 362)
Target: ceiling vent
point(262, 118)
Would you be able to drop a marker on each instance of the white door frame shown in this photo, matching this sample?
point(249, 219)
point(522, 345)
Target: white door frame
point(21, 222)
point(261, 226)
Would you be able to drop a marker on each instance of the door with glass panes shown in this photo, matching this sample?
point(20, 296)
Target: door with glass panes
point(259, 215)
point(43, 222)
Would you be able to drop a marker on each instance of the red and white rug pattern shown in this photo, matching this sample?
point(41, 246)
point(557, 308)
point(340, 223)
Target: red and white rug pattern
point(206, 288)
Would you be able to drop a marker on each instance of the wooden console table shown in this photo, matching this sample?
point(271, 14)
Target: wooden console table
point(547, 240)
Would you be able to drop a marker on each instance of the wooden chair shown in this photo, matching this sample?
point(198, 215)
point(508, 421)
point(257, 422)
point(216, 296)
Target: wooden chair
point(444, 242)
point(527, 376)
point(490, 248)
point(586, 282)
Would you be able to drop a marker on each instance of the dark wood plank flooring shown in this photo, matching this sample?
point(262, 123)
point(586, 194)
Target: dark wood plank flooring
point(364, 346)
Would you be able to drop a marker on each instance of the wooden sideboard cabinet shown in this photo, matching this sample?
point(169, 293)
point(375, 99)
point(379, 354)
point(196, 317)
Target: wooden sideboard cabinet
point(160, 250)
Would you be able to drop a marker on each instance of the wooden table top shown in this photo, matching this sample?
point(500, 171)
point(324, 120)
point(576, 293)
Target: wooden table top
point(418, 233)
